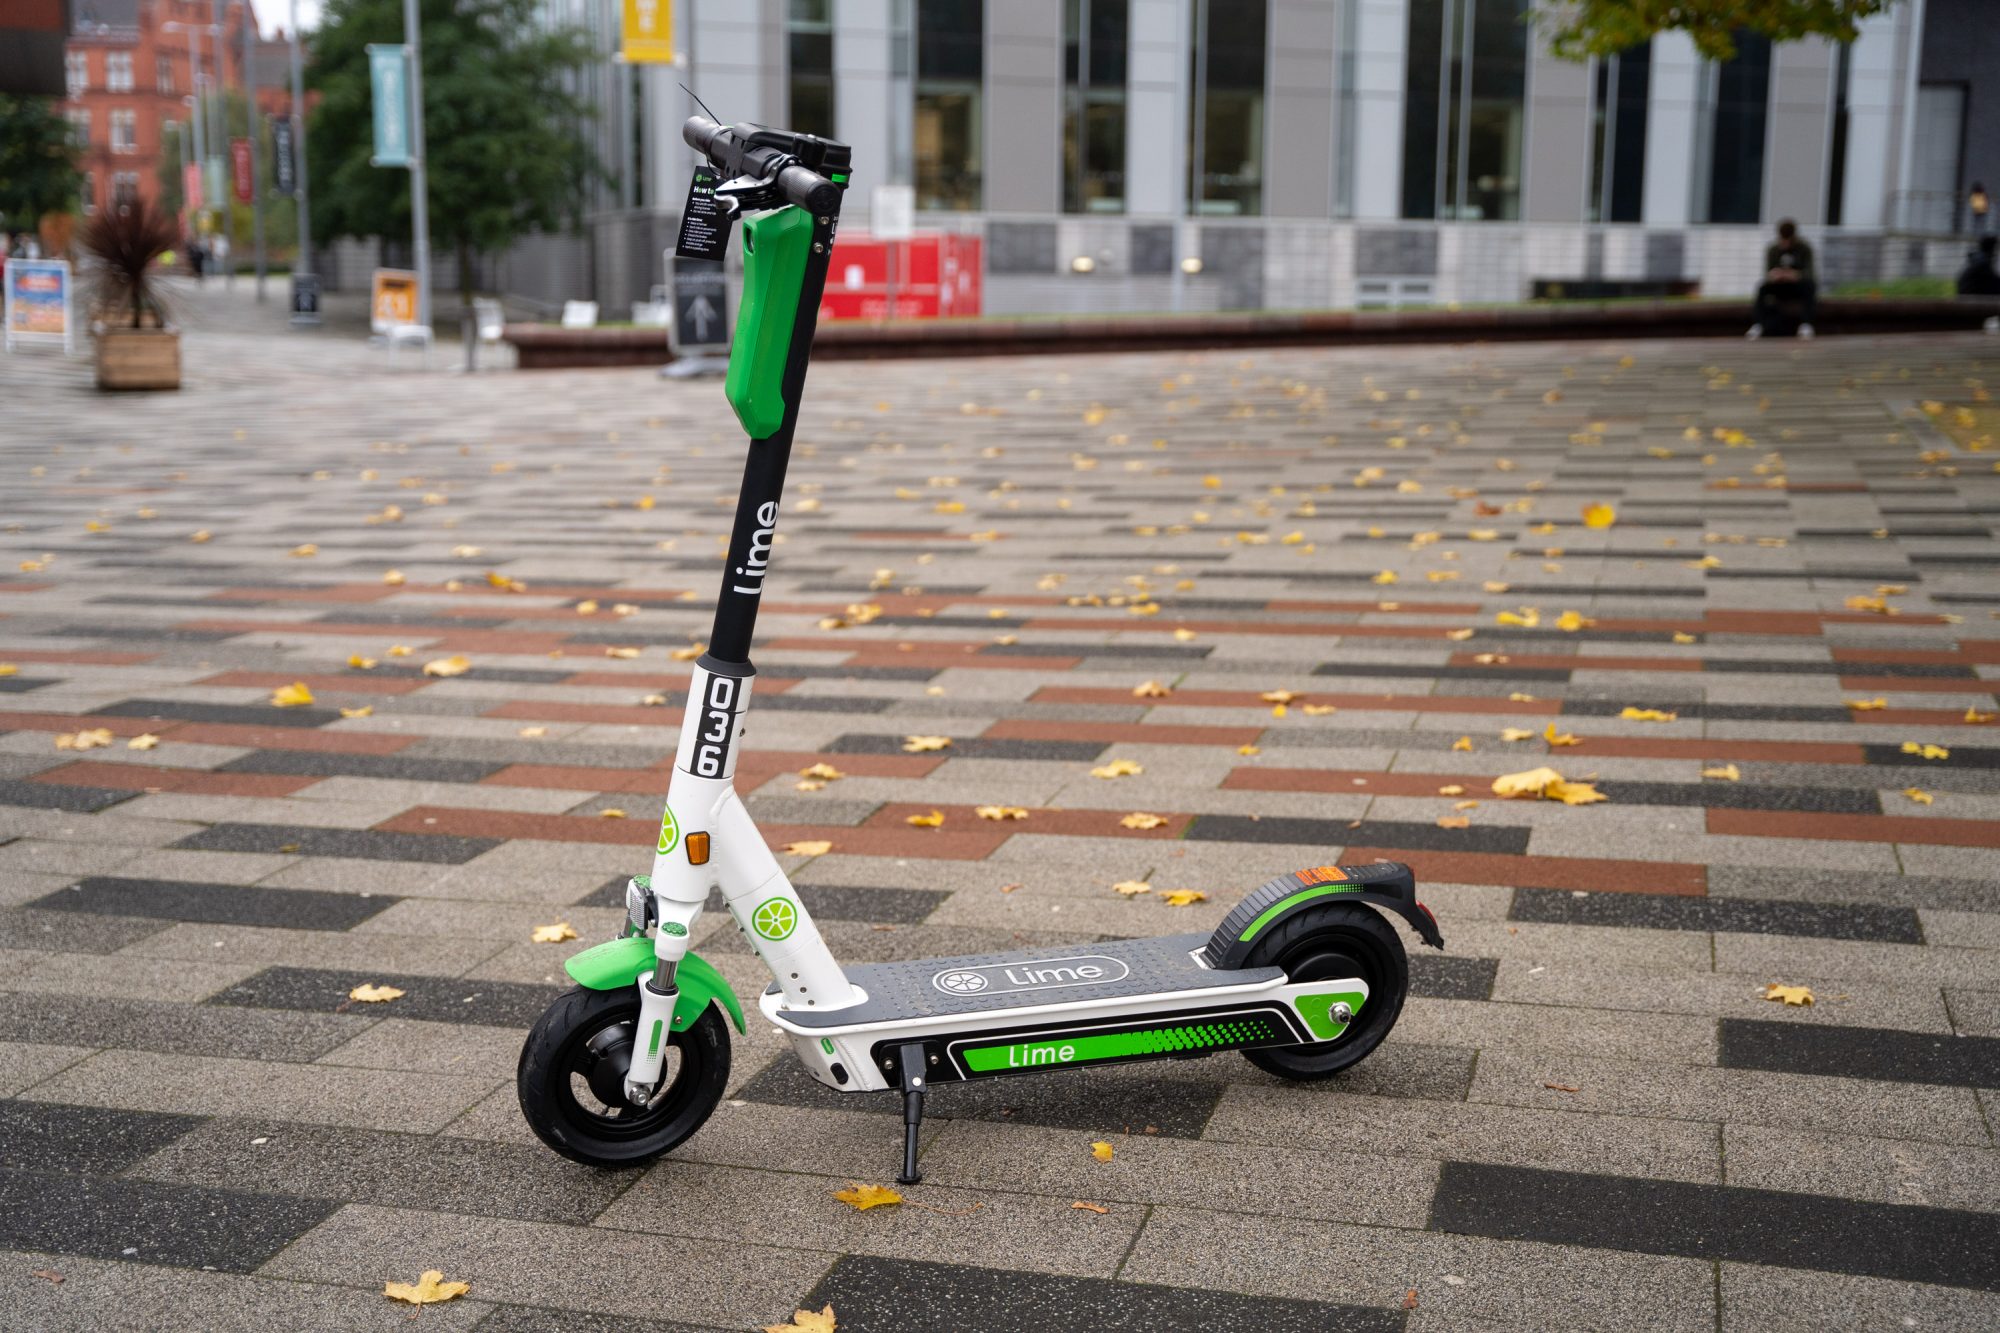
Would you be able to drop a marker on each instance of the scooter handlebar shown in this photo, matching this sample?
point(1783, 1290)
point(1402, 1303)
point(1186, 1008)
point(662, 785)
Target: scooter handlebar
point(733, 151)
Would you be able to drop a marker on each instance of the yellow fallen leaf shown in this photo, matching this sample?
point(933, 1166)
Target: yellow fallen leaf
point(611, 812)
point(1184, 897)
point(806, 1321)
point(1974, 716)
point(1858, 602)
point(1465, 805)
point(1101, 1151)
point(1918, 795)
point(92, 739)
point(1182, 634)
point(1496, 586)
point(1681, 636)
point(1569, 622)
point(1647, 715)
point(9, 669)
point(555, 934)
point(921, 744)
point(468, 552)
point(625, 654)
point(1599, 516)
point(1727, 772)
point(1801, 995)
point(532, 733)
point(865, 1197)
point(146, 742)
point(304, 551)
point(1546, 784)
point(1925, 750)
point(360, 663)
point(365, 710)
point(1554, 737)
point(1451, 789)
point(1512, 734)
point(1247, 751)
point(935, 819)
point(1278, 696)
point(1000, 812)
point(495, 579)
point(373, 994)
point(809, 847)
point(1459, 635)
point(1386, 576)
point(1462, 743)
point(1453, 821)
point(393, 577)
point(1866, 705)
point(1117, 768)
point(1526, 618)
point(200, 535)
point(1090, 1207)
point(823, 772)
point(429, 1289)
point(456, 665)
point(294, 695)
point(688, 654)
point(400, 650)
point(1319, 710)
point(1151, 689)
point(1126, 888)
point(1141, 820)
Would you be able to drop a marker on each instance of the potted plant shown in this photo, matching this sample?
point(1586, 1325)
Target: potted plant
point(136, 349)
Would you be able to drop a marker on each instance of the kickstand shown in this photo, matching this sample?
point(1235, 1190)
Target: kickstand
point(911, 1058)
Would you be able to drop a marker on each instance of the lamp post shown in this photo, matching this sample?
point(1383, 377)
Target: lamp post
point(250, 119)
point(420, 216)
point(303, 265)
point(201, 127)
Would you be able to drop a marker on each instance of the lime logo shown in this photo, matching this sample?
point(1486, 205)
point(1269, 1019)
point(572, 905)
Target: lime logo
point(670, 830)
point(775, 918)
point(672, 928)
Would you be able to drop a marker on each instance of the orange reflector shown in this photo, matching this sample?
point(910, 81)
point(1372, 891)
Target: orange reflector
point(697, 845)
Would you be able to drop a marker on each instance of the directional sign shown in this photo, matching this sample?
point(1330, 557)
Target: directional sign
point(701, 305)
point(389, 73)
point(281, 155)
point(649, 32)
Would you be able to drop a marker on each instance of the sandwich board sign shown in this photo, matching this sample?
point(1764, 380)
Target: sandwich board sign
point(393, 299)
point(40, 304)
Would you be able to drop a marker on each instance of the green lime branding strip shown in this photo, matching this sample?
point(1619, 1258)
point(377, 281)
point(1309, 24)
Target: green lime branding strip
point(1220, 1034)
point(1283, 905)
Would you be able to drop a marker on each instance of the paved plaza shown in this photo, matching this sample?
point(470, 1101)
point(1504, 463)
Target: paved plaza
point(1319, 599)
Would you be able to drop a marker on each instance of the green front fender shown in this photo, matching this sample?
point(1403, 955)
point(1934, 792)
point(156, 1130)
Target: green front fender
point(622, 962)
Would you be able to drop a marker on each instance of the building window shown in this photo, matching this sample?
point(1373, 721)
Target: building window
point(79, 124)
point(809, 42)
point(1618, 143)
point(1836, 167)
point(125, 188)
point(76, 68)
point(89, 199)
point(124, 131)
point(951, 69)
point(1226, 112)
point(1741, 89)
point(1464, 109)
point(1096, 34)
point(118, 71)
point(163, 74)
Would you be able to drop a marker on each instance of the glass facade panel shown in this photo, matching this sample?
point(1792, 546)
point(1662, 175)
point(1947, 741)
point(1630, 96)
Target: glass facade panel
point(1736, 153)
point(1226, 120)
point(1096, 34)
point(951, 69)
point(809, 46)
point(1465, 108)
point(1618, 142)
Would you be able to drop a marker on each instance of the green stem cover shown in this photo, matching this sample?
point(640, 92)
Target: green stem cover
point(775, 246)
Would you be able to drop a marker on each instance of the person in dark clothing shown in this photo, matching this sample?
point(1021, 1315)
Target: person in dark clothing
point(1979, 277)
point(1788, 297)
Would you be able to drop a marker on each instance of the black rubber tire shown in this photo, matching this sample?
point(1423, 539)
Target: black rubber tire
point(587, 1035)
point(1321, 943)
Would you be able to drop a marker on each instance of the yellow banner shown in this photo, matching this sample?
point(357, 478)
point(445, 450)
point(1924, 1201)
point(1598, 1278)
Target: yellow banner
point(649, 32)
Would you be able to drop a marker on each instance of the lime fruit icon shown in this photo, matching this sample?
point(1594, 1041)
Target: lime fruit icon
point(775, 918)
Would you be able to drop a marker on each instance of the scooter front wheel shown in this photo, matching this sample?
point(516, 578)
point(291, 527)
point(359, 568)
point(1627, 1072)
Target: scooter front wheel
point(1325, 944)
point(571, 1079)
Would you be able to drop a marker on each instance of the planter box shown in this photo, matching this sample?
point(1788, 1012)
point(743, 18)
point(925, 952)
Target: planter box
point(547, 347)
point(130, 358)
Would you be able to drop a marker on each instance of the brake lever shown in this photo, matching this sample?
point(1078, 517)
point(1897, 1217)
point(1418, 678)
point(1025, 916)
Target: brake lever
point(749, 194)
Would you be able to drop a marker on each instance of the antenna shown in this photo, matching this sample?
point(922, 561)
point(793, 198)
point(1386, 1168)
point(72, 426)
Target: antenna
point(703, 105)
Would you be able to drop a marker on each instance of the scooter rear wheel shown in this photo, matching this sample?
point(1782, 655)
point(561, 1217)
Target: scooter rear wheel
point(1335, 941)
point(571, 1079)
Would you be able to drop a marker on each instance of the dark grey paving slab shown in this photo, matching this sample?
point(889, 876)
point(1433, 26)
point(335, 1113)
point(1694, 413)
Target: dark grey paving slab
point(441, 1172)
point(175, 1029)
point(179, 1225)
point(1511, 841)
point(1855, 1052)
point(827, 902)
point(1961, 756)
point(972, 747)
point(61, 796)
point(1946, 1246)
point(232, 904)
point(25, 684)
point(1072, 1099)
point(437, 999)
point(256, 715)
point(1782, 884)
point(871, 1295)
point(1739, 796)
point(82, 1140)
point(67, 932)
point(362, 844)
point(1452, 976)
point(533, 1319)
point(325, 764)
point(1649, 911)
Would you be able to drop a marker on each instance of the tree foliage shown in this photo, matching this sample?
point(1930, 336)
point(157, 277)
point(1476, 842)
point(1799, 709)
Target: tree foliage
point(1580, 28)
point(505, 152)
point(38, 171)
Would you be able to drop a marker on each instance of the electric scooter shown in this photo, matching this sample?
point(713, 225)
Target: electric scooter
point(1305, 976)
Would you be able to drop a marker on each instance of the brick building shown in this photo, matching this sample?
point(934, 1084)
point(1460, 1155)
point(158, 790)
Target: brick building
point(130, 72)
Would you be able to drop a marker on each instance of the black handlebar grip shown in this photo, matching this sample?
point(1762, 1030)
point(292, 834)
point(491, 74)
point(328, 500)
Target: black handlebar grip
point(731, 153)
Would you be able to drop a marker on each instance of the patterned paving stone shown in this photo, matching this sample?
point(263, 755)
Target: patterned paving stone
point(171, 900)
point(434, 999)
point(176, 1225)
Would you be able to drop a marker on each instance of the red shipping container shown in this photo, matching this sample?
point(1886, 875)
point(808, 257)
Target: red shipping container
point(935, 275)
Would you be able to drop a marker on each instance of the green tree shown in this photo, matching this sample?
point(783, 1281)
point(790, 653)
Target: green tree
point(505, 156)
point(38, 171)
point(1580, 28)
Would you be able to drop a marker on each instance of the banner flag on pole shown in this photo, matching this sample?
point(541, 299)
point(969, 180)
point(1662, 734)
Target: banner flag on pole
point(281, 155)
point(239, 158)
point(389, 73)
point(649, 32)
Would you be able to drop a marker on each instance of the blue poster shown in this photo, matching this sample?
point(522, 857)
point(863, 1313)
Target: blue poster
point(389, 73)
point(37, 304)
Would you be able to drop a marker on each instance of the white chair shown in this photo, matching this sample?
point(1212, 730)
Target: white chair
point(491, 319)
point(579, 314)
point(410, 335)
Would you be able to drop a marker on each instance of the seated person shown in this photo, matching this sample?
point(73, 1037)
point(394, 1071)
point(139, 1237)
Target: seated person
point(1788, 295)
point(1979, 277)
